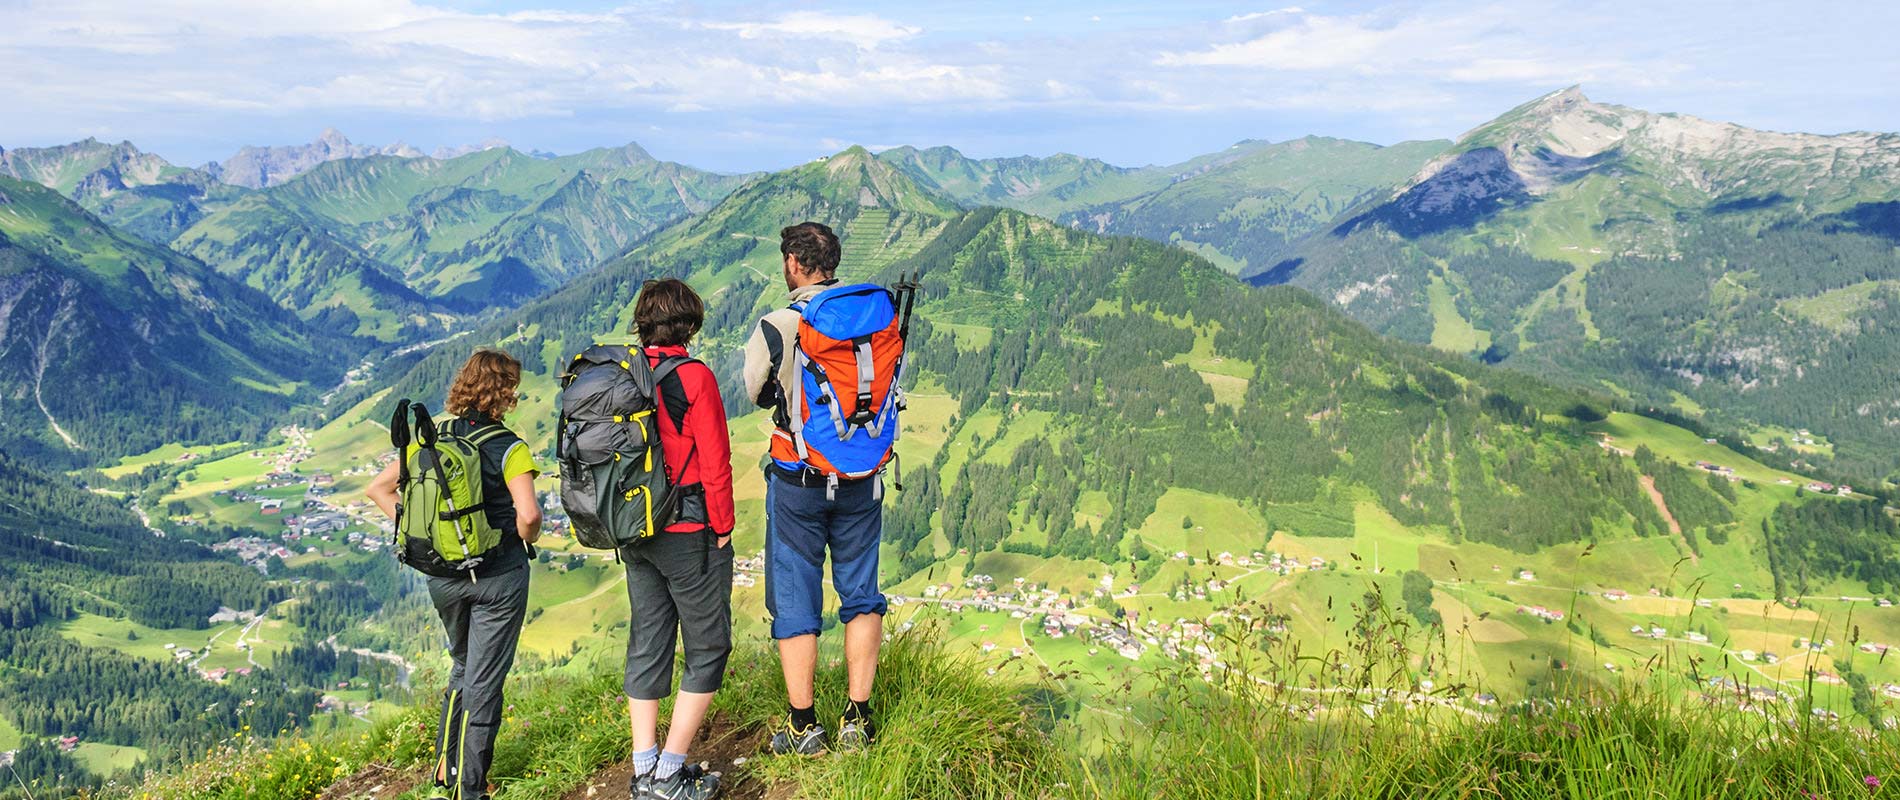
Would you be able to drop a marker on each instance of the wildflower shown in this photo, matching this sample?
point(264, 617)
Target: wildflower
point(1873, 782)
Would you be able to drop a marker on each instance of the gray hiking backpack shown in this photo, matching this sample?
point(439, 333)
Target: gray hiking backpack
point(614, 483)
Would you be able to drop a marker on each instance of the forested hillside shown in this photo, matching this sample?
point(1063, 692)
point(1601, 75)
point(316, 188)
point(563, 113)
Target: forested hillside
point(112, 345)
point(68, 554)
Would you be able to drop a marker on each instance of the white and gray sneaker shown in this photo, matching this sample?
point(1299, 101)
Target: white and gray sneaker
point(855, 735)
point(691, 782)
point(791, 741)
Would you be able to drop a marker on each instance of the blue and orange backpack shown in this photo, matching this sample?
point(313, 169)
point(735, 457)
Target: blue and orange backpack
point(839, 419)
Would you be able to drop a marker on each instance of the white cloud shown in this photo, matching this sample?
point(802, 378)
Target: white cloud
point(1463, 45)
point(1323, 43)
point(1251, 16)
point(799, 76)
point(421, 59)
point(864, 30)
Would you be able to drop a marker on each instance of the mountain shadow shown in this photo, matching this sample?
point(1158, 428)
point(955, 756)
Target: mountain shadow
point(1471, 188)
point(1277, 274)
point(1873, 219)
point(1741, 204)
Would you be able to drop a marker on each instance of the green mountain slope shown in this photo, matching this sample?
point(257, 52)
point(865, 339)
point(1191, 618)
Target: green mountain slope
point(299, 261)
point(1688, 263)
point(1239, 208)
point(444, 222)
point(731, 252)
point(114, 345)
point(1096, 407)
point(131, 190)
point(1045, 186)
point(384, 245)
point(1244, 206)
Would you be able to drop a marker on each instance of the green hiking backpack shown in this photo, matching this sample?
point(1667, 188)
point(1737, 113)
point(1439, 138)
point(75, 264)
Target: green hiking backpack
point(440, 514)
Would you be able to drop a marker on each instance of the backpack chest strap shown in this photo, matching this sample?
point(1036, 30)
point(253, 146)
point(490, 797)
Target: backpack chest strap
point(867, 373)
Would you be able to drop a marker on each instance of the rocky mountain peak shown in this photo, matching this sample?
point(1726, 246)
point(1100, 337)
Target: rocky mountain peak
point(1563, 135)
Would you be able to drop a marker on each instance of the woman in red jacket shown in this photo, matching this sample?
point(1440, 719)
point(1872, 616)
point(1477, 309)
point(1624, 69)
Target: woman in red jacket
point(681, 582)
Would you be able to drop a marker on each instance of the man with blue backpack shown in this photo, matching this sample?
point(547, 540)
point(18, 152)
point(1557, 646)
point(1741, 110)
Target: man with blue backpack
point(829, 366)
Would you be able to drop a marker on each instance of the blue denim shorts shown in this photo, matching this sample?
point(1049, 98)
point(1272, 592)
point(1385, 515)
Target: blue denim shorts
point(801, 525)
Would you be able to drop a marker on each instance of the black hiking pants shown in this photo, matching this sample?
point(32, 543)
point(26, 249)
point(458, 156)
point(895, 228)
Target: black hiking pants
point(678, 587)
point(483, 621)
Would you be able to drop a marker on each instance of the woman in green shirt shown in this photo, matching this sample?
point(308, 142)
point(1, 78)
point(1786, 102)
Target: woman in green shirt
point(482, 609)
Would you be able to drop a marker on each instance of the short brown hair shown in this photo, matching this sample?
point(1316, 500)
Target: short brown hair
point(668, 313)
point(814, 244)
point(485, 386)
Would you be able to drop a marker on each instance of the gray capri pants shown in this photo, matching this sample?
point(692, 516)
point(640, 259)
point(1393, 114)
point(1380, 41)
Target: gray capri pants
point(678, 584)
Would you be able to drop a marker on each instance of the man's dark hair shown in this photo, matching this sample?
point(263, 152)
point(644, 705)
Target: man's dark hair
point(668, 313)
point(814, 244)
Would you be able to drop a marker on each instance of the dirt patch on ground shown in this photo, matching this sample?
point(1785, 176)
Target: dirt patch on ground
point(374, 782)
point(724, 747)
point(1655, 496)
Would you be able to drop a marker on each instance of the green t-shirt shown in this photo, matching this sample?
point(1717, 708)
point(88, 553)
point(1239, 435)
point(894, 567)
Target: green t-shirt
point(518, 461)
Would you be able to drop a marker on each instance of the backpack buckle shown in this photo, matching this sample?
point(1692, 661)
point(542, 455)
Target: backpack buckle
point(865, 413)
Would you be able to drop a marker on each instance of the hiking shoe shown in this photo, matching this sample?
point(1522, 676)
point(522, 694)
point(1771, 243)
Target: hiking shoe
point(808, 742)
point(640, 787)
point(855, 735)
point(692, 782)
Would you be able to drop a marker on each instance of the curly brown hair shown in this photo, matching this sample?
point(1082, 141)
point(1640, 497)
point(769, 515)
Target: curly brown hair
point(485, 385)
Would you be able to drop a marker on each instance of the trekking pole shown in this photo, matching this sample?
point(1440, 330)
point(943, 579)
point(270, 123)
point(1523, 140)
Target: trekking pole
point(908, 288)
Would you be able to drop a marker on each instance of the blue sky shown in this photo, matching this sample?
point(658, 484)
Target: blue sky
point(741, 86)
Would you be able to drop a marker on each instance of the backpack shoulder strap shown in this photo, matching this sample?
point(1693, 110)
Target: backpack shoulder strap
point(482, 437)
point(671, 390)
point(484, 434)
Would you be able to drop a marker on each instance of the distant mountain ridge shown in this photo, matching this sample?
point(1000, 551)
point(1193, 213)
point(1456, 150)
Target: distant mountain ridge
point(1240, 207)
point(383, 242)
point(139, 192)
point(258, 167)
point(1750, 275)
point(493, 227)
